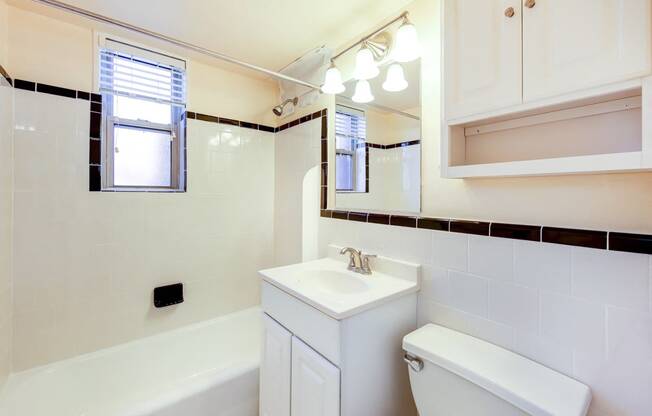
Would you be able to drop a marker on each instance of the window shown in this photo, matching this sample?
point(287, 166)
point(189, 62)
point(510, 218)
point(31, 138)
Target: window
point(350, 139)
point(144, 103)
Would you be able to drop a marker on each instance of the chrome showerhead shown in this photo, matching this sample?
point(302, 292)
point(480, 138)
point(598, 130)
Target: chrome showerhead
point(278, 110)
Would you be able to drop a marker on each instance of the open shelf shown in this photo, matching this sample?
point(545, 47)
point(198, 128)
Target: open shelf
point(603, 133)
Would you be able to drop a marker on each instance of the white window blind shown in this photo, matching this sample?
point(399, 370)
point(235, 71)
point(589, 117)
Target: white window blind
point(350, 127)
point(138, 73)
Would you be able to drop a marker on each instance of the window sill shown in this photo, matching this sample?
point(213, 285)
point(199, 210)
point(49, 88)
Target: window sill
point(145, 190)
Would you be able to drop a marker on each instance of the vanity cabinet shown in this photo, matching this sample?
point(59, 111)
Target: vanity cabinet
point(315, 365)
point(294, 378)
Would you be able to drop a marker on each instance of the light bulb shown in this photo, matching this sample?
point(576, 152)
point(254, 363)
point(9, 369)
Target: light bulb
point(395, 80)
point(365, 65)
point(406, 46)
point(362, 92)
point(333, 81)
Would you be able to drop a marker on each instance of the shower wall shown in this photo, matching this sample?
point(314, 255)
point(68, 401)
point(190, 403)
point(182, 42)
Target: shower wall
point(85, 263)
point(6, 188)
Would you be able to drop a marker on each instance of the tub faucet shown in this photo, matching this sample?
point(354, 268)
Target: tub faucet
point(358, 262)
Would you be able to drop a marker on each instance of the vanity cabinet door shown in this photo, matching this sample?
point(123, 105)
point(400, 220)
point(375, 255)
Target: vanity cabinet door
point(315, 383)
point(482, 56)
point(578, 44)
point(275, 369)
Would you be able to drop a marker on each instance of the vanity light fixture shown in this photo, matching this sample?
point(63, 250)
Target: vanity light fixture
point(406, 47)
point(362, 92)
point(377, 47)
point(365, 64)
point(333, 81)
point(395, 80)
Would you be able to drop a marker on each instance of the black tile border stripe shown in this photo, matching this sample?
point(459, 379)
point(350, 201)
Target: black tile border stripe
point(612, 241)
point(392, 145)
point(631, 243)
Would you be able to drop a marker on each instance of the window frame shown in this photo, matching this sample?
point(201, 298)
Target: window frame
point(176, 128)
point(354, 146)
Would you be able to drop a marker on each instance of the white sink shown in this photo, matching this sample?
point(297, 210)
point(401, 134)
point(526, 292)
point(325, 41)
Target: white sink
point(327, 285)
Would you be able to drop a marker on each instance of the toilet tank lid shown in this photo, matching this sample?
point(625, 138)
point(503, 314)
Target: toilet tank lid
point(533, 388)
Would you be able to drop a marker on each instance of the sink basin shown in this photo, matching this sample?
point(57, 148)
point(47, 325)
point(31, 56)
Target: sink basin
point(332, 281)
point(328, 286)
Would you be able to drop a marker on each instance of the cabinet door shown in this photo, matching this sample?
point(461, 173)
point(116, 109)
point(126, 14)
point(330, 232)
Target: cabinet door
point(315, 383)
point(482, 56)
point(573, 45)
point(275, 369)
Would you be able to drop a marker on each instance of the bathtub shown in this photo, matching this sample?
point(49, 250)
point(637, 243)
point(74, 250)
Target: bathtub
point(205, 369)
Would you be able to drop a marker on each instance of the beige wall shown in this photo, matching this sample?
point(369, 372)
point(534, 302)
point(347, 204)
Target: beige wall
point(52, 51)
point(6, 193)
point(614, 202)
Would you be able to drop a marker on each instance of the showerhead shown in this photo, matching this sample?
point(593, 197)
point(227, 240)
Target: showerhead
point(278, 110)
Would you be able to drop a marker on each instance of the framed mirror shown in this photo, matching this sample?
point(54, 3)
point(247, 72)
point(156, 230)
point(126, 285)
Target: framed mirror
point(378, 145)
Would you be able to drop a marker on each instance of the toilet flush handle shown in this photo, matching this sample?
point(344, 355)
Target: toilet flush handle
point(415, 363)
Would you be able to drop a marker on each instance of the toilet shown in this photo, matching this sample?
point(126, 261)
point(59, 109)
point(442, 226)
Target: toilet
point(456, 374)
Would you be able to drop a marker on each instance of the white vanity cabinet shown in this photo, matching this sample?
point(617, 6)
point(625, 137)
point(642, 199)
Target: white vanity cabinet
point(333, 339)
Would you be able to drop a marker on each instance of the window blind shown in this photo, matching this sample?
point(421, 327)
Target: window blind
point(126, 74)
point(350, 127)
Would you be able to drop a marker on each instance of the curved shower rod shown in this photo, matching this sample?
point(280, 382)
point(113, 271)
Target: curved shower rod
point(104, 19)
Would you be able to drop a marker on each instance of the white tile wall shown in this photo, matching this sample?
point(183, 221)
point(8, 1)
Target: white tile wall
point(586, 313)
point(86, 263)
point(6, 189)
point(297, 150)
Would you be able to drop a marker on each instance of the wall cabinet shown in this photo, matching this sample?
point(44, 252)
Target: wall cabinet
point(483, 56)
point(546, 87)
point(573, 45)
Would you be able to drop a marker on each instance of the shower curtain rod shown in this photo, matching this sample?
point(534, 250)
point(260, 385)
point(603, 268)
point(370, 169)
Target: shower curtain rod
point(103, 19)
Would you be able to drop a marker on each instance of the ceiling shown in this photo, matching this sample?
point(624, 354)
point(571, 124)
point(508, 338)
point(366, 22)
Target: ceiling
point(268, 33)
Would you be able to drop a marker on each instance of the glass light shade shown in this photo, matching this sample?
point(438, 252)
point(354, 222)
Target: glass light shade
point(406, 45)
point(395, 80)
point(333, 81)
point(365, 65)
point(362, 92)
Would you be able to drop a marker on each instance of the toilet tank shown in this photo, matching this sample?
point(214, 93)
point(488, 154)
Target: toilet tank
point(455, 374)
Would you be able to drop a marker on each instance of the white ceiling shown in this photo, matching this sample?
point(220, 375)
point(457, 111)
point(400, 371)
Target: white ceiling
point(268, 33)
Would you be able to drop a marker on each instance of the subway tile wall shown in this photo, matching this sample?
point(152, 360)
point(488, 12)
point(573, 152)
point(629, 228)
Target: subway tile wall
point(86, 262)
point(584, 312)
point(6, 191)
point(297, 150)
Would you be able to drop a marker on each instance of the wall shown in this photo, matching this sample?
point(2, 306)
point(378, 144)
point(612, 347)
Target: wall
point(6, 191)
point(583, 312)
point(616, 201)
point(60, 53)
point(86, 262)
point(297, 151)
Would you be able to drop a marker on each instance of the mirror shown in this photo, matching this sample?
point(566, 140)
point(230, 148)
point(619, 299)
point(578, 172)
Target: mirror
point(378, 146)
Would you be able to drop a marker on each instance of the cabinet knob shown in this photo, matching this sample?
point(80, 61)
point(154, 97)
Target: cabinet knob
point(509, 12)
point(530, 3)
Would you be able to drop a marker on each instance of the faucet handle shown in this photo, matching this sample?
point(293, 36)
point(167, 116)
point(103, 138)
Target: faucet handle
point(366, 269)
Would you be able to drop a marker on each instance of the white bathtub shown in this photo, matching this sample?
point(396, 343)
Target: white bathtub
point(206, 369)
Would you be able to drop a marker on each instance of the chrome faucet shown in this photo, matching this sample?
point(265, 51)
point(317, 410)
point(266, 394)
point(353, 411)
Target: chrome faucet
point(358, 262)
